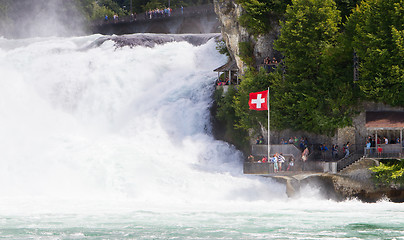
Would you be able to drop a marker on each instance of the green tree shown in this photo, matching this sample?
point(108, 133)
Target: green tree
point(259, 14)
point(346, 7)
point(376, 32)
point(315, 93)
point(389, 172)
point(253, 81)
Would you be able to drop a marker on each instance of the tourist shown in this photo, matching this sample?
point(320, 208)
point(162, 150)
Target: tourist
point(386, 141)
point(379, 151)
point(344, 149)
point(305, 155)
point(264, 159)
point(260, 139)
point(323, 150)
point(296, 140)
point(301, 144)
point(106, 18)
point(347, 149)
point(251, 158)
point(290, 140)
point(333, 151)
point(291, 164)
point(368, 144)
point(336, 152)
point(274, 160)
point(281, 160)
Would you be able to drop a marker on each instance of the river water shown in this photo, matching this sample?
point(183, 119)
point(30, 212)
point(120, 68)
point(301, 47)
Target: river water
point(107, 142)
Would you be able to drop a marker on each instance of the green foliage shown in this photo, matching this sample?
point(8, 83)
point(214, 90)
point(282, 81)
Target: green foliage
point(226, 113)
point(113, 6)
point(259, 13)
point(222, 48)
point(154, 4)
point(99, 12)
point(346, 7)
point(253, 81)
point(376, 32)
point(246, 53)
point(315, 94)
point(391, 171)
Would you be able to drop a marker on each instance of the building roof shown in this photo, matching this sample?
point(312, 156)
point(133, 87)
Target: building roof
point(227, 67)
point(385, 120)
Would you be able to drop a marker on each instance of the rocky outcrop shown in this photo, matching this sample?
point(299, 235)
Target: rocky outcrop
point(353, 182)
point(233, 33)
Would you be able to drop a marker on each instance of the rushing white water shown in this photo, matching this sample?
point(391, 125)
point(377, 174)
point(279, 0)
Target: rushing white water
point(115, 143)
point(115, 123)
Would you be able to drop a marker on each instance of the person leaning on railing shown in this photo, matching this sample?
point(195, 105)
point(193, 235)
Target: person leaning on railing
point(251, 158)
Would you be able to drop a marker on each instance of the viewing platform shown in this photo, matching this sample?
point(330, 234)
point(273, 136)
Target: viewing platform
point(192, 20)
point(316, 162)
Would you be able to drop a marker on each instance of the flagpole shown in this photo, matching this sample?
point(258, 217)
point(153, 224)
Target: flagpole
point(269, 134)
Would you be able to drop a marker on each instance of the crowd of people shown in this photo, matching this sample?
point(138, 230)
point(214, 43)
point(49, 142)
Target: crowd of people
point(375, 144)
point(279, 162)
point(269, 61)
point(270, 64)
point(151, 14)
point(158, 13)
point(301, 143)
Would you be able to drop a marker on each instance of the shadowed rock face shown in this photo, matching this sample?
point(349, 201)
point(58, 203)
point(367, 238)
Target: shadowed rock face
point(150, 40)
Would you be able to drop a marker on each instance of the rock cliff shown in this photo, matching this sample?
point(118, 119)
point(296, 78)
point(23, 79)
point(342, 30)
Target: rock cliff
point(233, 33)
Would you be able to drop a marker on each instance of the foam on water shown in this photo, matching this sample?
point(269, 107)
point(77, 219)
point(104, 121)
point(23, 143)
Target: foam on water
point(116, 144)
point(115, 123)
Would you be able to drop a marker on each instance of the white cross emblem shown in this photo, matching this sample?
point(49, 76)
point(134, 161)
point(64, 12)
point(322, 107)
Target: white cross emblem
point(258, 101)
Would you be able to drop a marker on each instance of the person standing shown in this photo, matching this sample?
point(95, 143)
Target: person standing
point(305, 155)
point(281, 160)
point(275, 162)
point(368, 144)
point(347, 149)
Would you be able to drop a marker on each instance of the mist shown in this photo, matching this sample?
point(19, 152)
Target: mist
point(40, 18)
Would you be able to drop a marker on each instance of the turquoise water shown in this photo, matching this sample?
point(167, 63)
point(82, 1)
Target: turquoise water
point(349, 220)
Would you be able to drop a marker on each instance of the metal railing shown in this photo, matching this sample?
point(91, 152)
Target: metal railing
point(385, 151)
point(317, 162)
point(286, 149)
point(346, 161)
point(299, 166)
point(186, 12)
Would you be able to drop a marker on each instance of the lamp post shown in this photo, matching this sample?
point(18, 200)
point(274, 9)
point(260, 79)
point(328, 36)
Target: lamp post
point(131, 11)
point(168, 3)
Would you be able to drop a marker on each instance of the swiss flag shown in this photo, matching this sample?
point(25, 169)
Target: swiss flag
point(259, 101)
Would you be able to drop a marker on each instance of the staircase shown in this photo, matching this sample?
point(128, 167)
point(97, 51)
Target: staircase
point(347, 161)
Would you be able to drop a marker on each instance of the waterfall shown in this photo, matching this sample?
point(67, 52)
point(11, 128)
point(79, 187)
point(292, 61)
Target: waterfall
point(108, 122)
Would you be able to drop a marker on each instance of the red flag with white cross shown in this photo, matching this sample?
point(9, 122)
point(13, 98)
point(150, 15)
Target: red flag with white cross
point(259, 101)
